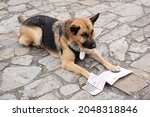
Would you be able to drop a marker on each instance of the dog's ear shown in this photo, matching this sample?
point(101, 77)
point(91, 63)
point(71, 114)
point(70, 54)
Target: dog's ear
point(94, 18)
point(74, 29)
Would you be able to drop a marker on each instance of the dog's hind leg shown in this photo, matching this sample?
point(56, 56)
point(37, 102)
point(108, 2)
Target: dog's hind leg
point(25, 41)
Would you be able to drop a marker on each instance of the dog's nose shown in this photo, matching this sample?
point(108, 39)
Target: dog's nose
point(93, 45)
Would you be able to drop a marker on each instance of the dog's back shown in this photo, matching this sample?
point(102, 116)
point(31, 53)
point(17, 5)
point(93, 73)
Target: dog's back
point(45, 23)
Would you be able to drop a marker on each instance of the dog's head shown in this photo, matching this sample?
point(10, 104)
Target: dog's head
point(81, 31)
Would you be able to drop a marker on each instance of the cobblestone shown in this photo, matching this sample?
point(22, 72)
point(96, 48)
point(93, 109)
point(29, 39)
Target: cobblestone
point(69, 89)
point(119, 51)
point(3, 5)
point(19, 8)
point(147, 31)
point(128, 10)
point(6, 53)
point(3, 65)
point(21, 50)
point(105, 19)
point(22, 60)
point(138, 47)
point(122, 34)
point(8, 96)
point(50, 63)
point(49, 96)
point(145, 2)
point(141, 64)
point(138, 35)
point(41, 86)
point(117, 33)
point(14, 77)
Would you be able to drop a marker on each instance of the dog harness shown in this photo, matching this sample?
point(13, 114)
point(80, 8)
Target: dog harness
point(46, 24)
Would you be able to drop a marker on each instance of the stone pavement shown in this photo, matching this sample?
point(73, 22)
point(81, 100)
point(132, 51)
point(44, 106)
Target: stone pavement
point(122, 36)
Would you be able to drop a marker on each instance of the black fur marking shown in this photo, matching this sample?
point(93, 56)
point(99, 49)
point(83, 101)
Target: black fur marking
point(45, 23)
point(94, 18)
point(76, 53)
point(74, 29)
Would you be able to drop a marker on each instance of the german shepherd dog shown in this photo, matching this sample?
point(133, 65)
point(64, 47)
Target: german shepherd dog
point(65, 39)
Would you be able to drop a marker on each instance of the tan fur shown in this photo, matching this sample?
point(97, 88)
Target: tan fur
point(68, 57)
point(30, 36)
point(21, 19)
point(33, 36)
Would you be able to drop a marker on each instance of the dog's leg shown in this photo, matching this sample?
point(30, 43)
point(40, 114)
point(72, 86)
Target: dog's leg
point(71, 66)
point(24, 41)
point(96, 55)
point(68, 63)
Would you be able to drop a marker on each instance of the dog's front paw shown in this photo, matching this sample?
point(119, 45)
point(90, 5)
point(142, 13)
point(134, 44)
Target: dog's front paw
point(113, 68)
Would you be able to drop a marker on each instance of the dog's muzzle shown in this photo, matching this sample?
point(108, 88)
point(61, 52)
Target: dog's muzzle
point(89, 45)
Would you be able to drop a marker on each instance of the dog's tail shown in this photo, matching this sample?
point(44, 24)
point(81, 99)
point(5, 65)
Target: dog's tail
point(21, 19)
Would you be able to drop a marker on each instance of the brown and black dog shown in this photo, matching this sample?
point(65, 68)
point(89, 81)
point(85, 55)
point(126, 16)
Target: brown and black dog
point(63, 39)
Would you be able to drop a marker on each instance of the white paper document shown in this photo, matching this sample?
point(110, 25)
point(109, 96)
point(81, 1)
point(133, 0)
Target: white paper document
point(97, 81)
point(111, 77)
point(95, 84)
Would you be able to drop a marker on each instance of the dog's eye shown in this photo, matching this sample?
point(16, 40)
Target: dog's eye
point(85, 35)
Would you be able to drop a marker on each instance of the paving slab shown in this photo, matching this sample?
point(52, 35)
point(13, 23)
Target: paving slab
point(9, 25)
point(82, 95)
point(3, 5)
point(14, 77)
point(69, 89)
point(49, 96)
point(66, 75)
point(41, 86)
point(133, 56)
point(138, 35)
point(131, 84)
point(141, 74)
point(19, 8)
point(3, 13)
point(8, 96)
point(3, 64)
point(115, 34)
point(145, 2)
point(17, 2)
point(104, 19)
point(6, 53)
point(50, 62)
point(147, 31)
point(138, 47)
point(142, 63)
point(21, 50)
point(22, 60)
point(143, 21)
point(128, 9)
point(119, 51)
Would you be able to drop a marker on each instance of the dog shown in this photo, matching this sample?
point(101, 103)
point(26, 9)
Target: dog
point(64, 39)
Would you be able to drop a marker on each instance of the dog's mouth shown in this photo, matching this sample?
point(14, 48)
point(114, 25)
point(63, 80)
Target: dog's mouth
point(89, 45)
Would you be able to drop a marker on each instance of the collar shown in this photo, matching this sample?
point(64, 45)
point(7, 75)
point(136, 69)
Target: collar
point(75, 47)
